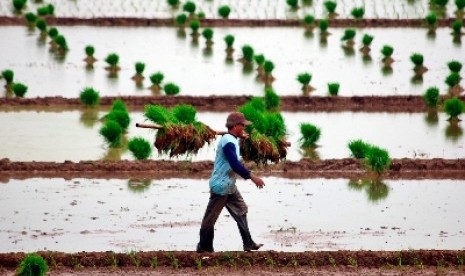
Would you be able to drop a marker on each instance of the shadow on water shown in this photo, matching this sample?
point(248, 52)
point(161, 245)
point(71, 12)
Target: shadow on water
point(375, 189)
point(137, 185)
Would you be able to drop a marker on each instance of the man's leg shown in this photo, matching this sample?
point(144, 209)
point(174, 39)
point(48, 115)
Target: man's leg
point(207, 229)
point(238, 210)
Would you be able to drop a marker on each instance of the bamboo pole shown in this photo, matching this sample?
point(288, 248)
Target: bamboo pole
point(156, 126)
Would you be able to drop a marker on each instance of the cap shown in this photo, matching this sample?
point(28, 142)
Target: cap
point(236, 118)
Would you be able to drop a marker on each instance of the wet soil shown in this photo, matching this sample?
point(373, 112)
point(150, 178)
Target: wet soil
point(427, 262)
point(133, 21)
point(228, 103)
point(404, 168)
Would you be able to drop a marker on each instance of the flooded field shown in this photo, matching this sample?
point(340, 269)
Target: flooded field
point(74, 135)
point(256, 9)
point(186, 63)
point(287, 215)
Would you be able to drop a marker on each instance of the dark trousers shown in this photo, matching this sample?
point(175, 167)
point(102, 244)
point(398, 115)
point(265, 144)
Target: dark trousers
point(237, 207)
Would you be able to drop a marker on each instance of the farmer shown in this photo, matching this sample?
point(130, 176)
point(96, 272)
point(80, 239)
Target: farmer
point(223, 190)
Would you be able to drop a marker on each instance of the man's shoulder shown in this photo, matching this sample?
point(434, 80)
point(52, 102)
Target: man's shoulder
point(227, 138)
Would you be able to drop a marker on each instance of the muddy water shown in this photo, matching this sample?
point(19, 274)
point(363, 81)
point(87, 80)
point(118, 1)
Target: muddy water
point(287, 215)
point(74, 135)
point(199, 71)
point(253, 9)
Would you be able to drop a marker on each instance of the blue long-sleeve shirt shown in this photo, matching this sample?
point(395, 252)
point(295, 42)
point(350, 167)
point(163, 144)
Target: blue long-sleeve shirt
point(227, 166)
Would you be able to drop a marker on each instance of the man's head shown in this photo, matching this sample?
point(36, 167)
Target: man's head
point(236, 118)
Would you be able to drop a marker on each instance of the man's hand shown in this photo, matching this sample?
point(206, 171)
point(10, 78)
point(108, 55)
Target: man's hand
point(258, 181)
point(244, 135)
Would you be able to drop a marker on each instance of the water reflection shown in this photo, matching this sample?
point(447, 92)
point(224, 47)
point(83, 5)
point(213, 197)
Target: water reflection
point(309, 34)
point(89, 117)
point(375, 189)
point(115, 154)
point(181, 33)
point(431, 34)
point(431, 117)
point(453, 131)
point(386, 70)
point(247, 68)
point(310, 152)
point(417, 79)
point(137, 185)
point(207, 51)
point(348, 50)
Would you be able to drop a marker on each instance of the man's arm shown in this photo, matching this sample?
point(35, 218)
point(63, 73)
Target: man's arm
point(230, 152)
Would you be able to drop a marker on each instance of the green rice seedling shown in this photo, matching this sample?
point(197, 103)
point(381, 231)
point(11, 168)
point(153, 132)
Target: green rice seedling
point(171, 89)
point(112, 132)
point(309, 21)
point(377, 159)
point(53, 33)
point(307, 2)
point(358, 13)
point(184, 113)
point(32, 265)
point(90, 59)
point(224, 11)
point(195, 26)
point(140, 67)
point(140, 148)
point(181, 20)
point(89, 96)
point(19, 5)
point(440, 3)
point(207, 33)
point(121, 117)
point(201, 15)
point(271, 100)
point(310, 135)
point(358, 148)
point(417, 60)
point(304, 79)
point(366, 41)
point(173, 3)
point(19, 89)
point(60, 40)
point(8, 75)
point(119, 104)
point(333, 88)
point(457, 27)
point(349, 35)
point(454, 66)
point(431, 20)
point(330, 6)
point(431, 97)
point(460, 4)
point(46, 10)
point(156, 80)
point(387, 52)
point(454, 107)
point(30, 19)
point(41, 25)
point(257, 103)
point(189, 7)
point(452, 80)
point(268, 67)
point(112, 60)
point(323, 25)
point(293, 4)
point(159, 114)
point(247, 54)
point(260, 61)
point(229, 40)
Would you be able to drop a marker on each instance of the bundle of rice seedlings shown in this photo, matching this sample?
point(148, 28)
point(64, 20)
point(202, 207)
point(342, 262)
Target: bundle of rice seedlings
point(180, 132)
point(266, 142)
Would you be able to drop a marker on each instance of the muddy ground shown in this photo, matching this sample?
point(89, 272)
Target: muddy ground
point(429, 262)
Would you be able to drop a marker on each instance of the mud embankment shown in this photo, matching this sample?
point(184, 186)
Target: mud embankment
point(267, 259)
point(228, 103)
point(404, 168)
point(208, 22)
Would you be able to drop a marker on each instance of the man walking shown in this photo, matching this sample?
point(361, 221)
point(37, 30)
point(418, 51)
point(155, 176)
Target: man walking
point(223, 190)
